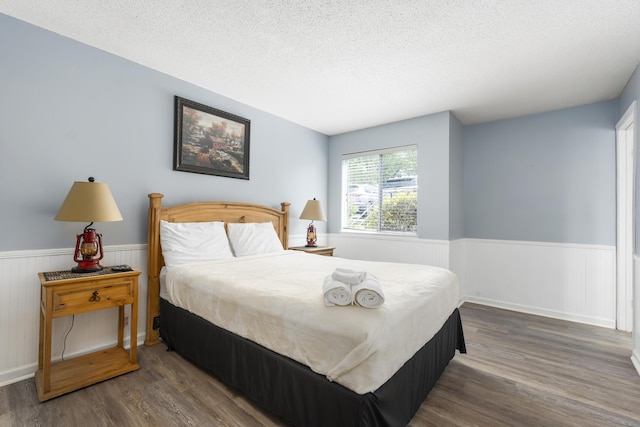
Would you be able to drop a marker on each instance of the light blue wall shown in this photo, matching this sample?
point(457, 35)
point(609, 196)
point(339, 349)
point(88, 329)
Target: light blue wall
point(431, 135)
point(549, 177)
point(456, 182)
point(631, 93)
point(69, 111)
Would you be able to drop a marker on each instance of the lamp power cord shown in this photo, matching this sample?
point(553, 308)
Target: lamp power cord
point(64, 343)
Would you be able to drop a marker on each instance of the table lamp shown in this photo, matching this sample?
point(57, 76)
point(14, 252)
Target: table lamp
point(88, 202)
point(313, 211)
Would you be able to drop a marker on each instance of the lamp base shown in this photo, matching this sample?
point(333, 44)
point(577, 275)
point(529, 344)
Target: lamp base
point(88, 252)
point(311, 236)
point(88, 269)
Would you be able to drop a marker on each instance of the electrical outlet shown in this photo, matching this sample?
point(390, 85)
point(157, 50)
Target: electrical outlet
point(126, 320)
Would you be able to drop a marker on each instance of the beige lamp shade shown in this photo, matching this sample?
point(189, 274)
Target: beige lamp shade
point(313, 211)
point(89, 202)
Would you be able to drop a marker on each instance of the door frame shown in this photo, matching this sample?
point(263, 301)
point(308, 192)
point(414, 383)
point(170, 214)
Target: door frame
point(625, 215)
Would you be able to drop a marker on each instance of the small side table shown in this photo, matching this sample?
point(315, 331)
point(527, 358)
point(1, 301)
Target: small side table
point(63, 293)
point(318, 250)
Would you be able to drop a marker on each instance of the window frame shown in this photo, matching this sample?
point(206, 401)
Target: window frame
point(345, 184)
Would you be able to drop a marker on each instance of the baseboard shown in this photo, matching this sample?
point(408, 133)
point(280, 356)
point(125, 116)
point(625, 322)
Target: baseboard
point(635, 359)
point(28, 371)
point(537, 311)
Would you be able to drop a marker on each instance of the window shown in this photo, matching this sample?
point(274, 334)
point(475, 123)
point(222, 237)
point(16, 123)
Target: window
point(381, 190)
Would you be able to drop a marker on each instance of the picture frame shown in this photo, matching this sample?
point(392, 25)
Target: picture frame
point(210, 141)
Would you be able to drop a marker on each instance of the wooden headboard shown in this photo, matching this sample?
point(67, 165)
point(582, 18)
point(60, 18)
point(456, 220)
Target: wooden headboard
point(198, 212)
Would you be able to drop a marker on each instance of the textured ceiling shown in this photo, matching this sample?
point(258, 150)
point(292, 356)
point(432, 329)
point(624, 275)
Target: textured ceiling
point(336, 66)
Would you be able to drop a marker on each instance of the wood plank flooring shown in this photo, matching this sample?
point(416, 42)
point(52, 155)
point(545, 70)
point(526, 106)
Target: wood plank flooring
point(520, 370)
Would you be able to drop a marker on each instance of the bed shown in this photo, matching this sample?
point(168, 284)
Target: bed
point(291, 381)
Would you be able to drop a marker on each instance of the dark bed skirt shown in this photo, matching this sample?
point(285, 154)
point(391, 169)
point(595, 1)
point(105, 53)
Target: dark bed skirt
point(294, 392)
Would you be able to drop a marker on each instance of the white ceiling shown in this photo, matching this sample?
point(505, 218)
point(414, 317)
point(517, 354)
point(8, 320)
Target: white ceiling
point(341, 65)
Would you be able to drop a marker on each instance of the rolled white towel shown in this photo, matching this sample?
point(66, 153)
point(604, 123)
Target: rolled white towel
point(368, 293)
point(336, 293)
point(350, 277)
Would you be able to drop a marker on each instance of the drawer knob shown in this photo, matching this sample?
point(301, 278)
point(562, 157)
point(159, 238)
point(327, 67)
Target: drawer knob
point(94, 297)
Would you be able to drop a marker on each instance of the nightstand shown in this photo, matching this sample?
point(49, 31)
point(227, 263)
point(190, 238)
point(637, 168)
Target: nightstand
point(318, 250)
point(64, 293)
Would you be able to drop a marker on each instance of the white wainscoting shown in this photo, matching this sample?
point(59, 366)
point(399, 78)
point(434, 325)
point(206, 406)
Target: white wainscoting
point(572, 282)
point(457, 260)
point(392, 248)
point(565, 281)
point(19, 309)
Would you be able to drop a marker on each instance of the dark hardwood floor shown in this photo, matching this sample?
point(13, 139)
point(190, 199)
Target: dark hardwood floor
point(520, 370)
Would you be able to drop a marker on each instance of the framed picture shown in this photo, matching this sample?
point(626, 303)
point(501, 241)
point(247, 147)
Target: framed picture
point(210, 141)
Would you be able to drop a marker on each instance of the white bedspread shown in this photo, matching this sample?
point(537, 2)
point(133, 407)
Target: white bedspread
point(276, 300)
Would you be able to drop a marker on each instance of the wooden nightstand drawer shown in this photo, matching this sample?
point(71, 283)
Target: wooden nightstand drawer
point(77, 299)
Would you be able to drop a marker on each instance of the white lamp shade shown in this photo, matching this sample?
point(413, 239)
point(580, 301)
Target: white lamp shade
point(313, 211)
point(89, 202)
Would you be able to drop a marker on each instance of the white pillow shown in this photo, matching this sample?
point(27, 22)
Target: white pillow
point(186, 242)
point(253, 238)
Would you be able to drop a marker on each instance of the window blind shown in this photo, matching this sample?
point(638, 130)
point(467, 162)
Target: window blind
point(381, 190)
